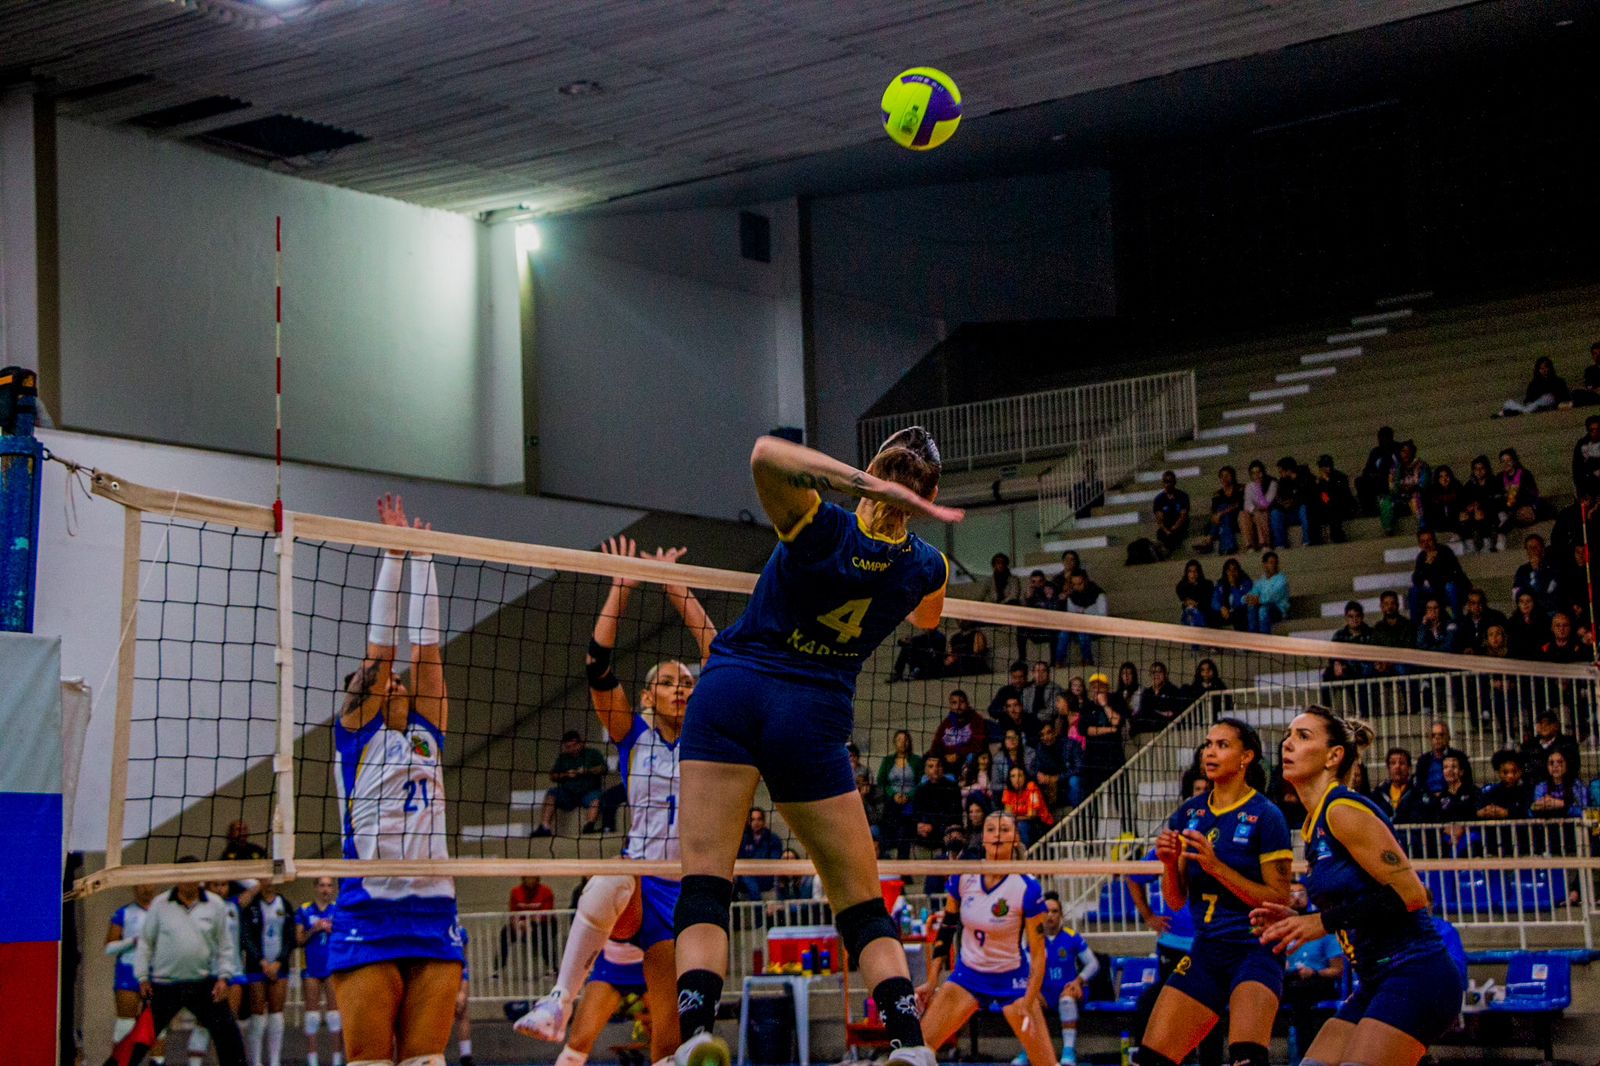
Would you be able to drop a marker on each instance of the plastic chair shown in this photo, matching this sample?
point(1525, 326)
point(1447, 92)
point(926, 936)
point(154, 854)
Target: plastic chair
point(1539, 985)
point(1134, 973)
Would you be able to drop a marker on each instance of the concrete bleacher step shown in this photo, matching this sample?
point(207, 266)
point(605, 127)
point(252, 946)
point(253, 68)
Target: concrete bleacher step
point(1288, 678)
point(1381, 316)
point(1289, 376)
point(1280, 393)
point(527, 797)
point(1121, 499)
point(1153, 477)
point(1404, 554)
point(1258, 409)
point(1203, 451)
point(1230, 429)
point(1378, 582)
point(1358, 335)
point(1403, 298)
point(1106, 521)
point(1312, 358)
point(1266, 718)
point(1335, 608)
point(1076, 544)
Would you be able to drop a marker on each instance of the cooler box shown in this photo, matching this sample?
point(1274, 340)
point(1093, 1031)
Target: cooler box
point(787, 944)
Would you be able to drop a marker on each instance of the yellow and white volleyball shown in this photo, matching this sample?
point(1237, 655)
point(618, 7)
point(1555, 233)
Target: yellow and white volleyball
point(921, 108)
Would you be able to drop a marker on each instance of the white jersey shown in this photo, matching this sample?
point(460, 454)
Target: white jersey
point(231, 933)
point(994, 921)
point(272, 924)
point(650, 773)
point(391, 793)
point(130, 917)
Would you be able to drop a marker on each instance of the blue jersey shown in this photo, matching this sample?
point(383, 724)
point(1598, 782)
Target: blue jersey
point(1335, 878)
point(1061, 953)
point(1180, 927)
point(829, 595)
point(316, 945)
point(1246, 836)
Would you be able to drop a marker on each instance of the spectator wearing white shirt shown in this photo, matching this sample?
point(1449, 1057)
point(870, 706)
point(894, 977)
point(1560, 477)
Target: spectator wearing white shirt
point(1083, 597)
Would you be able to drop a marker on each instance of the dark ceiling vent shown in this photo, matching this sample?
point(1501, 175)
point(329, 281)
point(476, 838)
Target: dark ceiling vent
point(280, 137)
point(182, 114)
point(102, 88)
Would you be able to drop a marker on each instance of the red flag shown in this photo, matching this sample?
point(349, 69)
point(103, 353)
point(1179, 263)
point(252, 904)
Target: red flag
point(132, 1048)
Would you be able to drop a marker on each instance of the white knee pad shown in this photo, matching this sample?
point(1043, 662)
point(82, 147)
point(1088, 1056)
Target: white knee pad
point(313, 1022)
point(605, 897)
point(423, 1060)
point(1068, 1009)
point(122, 1028)
point(335, 1024)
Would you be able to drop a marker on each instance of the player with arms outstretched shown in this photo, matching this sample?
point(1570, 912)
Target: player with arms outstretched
point(1223, 853)
point(776, 701)
point(647, 741)
point(395, 955)
point(996, 917)
point(1366, 893)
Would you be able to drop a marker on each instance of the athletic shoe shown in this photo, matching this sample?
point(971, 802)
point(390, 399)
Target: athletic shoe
point(1069, 1058)
point(1021, 1059)
point(912, 1056)
point(705, 1049)
point(548, 1018)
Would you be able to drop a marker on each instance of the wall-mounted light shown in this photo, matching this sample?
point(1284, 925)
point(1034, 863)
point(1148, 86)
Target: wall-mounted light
point(528, 240)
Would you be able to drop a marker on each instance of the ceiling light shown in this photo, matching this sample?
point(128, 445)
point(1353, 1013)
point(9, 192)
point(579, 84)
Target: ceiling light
point(1564, 22)
point(528, 239)
point(582, 87)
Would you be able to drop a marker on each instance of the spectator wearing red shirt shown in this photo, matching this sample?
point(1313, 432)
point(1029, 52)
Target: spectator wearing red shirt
point(1027, 804)
point(961, 735)
point(529, 895)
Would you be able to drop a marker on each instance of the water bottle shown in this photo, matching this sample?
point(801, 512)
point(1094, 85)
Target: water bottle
point(1127, 1049)
point(827, 961)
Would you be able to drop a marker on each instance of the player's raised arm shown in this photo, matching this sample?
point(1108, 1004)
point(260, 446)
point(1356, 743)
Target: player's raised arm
point(689, 607)
point(610, 699)
point(788, 477)
point(366, 688)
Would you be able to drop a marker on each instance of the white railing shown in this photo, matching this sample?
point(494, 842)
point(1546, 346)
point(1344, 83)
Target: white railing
point(1032, 426)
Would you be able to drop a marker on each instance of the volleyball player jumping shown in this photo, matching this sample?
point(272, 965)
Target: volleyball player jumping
point(775, 702)
point(1366, 893)
point(648, 742)
point(1223, 853)
point(395, 954)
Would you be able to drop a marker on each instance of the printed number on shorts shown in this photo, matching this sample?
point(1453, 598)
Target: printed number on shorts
point(1211, 906)
point(846, 620)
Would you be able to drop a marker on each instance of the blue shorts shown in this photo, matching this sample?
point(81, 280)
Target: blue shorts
point(660, 901)
point(793, 732)
point(241, 979)
point(1419, 996)
point(991, 990)
point(394, 931)
point(123, 979)
point(1211, 970)
point(317, 972)
point(249, 978)
point(624, 979)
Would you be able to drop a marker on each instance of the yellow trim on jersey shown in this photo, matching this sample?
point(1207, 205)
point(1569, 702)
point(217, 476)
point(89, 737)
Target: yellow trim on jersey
point(805, 519)
point(1276, 856)
point(946, 559)
point(1342, 802)
point(1310, 825)
point(870, 535)
point(1249, 794)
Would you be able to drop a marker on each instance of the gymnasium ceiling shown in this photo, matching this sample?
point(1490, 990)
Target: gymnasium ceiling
point(457, 104)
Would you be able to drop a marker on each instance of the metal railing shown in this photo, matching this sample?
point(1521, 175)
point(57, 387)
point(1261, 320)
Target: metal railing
point(1041, 424)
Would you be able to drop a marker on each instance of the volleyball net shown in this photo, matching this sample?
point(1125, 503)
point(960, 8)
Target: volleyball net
point(238, 641)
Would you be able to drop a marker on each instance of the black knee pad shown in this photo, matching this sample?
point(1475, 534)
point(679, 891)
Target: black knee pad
point(703, 900)
point(1247, 1054)
point(1146, 1057)
point(862, 923)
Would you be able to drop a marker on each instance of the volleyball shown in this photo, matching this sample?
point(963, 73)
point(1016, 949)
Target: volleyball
point(921, 108)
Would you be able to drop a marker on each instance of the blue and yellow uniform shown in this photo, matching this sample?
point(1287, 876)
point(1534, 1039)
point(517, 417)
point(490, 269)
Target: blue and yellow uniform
point(776, 692)
point(1406, 978)
point(316, 945)
point(1226, 953)
point(1062, 954)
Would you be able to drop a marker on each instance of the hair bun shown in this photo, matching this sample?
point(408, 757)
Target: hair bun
point(1361, 732)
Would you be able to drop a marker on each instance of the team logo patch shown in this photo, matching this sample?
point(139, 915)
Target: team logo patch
point(1242, 831)
point(420, 746)
point(1183, 965)
point(1000, 909)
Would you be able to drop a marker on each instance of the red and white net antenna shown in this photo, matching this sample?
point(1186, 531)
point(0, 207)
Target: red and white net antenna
point(277, 351)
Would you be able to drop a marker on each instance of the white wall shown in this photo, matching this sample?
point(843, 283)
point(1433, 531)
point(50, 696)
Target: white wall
point(662, 355)
point(80, 568)
point(397, 350)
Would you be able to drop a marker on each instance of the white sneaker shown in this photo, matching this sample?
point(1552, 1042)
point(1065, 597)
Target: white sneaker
point(548, 1018)
point(704, 1049)
point(921, 1055)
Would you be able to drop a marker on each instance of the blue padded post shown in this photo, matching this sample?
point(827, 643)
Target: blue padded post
point(21, 465)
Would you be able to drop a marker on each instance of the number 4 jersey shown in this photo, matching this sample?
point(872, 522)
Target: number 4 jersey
point(828, 596)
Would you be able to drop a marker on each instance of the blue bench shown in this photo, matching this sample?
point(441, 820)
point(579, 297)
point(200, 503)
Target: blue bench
point(1130, 976)
point(1539, 988)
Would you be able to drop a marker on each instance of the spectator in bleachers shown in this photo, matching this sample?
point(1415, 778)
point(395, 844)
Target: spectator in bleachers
point(921, 655)
point(1003, 586)
point(1128, 690)
point(968, 652)
point(1539, 575)
point(1083, 597)
point(1206, 681)
point(1408, 480)
point(1547, 740)
point(1039, 696)
point(1457, 800)
point(1400, 797)
point(1159, 703)
point(936, 806)
point(1331, 501)
point(1028, 806)
point(961, 735)
point(1227, 505)
point(972, 824)
point(1495, 691)
point(1436, 572)
point(872, 799)
point(1016, 681)
point(1059, 767)
point(1259, 494)
point(1194, 595)
point(1572, 589)
point(1518, 500)
point(1589, 392)
point(1472, 628)
point(1442, 501)
point(1354, 631)
point(758, 842)
point(1014, 751)
point(1564, 645)
point(1545, 392)
point(1102, 725)
point(1373, 481)
point(1311, 978)
point(1040, 595)
point(978, 779)
point(1480, 508)
point(1391, 630)
point(1013, 717)
point(1228, 607)
point(1171, 509)
point(1586, 459)
point(576, 777)
point(1267, 603)
point(1528, 629)
point(898, 774)
point(1292, 504)
point(1075, 698)
point(1562, 793)
point(1437, 632)
point(1070, 564)
point(1509, 797)
point(1359, 781)
point(1429, 772)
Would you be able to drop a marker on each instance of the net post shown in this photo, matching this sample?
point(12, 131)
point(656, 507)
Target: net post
point(283, 827)
point(127, 653)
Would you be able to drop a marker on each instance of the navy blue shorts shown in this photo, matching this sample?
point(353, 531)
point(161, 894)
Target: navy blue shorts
point(992, 990)
point(1211, 971)
point(793, 732)
point(1419, 996)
